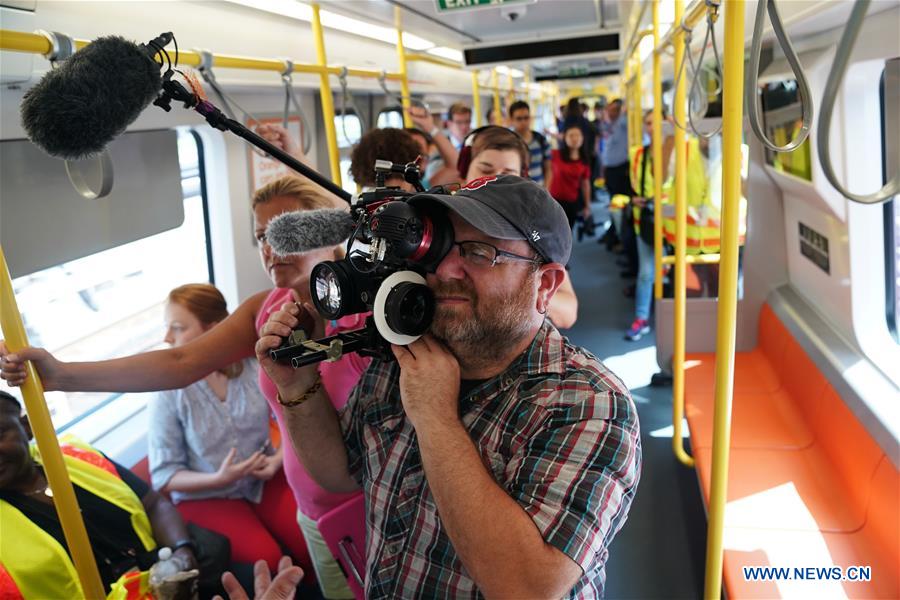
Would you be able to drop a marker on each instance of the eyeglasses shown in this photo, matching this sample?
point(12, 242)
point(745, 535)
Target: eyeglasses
point(481, 254)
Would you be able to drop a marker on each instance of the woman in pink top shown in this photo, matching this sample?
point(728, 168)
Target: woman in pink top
point(231, 341)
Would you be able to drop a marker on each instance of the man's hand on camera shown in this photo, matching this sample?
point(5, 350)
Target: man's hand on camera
point(429, 382)
point(289, 381)
point(283, 587)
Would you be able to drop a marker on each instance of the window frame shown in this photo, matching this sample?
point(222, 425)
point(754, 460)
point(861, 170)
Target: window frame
point(890, 226)
point(81, 421)
point(387, 110)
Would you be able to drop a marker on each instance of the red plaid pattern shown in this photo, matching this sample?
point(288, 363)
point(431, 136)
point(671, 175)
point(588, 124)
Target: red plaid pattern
point(560, 434)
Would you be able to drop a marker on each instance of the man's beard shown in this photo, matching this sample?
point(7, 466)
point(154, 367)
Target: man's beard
point(482, 330)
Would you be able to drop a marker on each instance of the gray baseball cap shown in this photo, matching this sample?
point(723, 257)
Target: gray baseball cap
point(509, 207)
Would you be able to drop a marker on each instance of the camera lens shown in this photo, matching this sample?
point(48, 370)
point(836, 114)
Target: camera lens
point(337, 289)
point(328, 291)
point(409, 308)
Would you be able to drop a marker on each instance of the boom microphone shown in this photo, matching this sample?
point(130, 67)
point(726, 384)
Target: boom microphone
point(76, 109)
point(302, 231)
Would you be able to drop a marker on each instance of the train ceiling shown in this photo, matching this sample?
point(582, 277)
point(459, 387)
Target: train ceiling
point(512, 23)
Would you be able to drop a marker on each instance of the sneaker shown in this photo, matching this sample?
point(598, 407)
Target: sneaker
point(638, 329)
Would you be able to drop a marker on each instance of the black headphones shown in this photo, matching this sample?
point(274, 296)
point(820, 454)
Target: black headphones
point(465, 154)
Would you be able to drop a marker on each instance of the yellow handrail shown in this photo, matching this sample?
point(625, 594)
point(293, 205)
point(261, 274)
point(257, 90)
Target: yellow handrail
point(680, 312)
point(35, 43)
point(435, 60)
point(690, 17)
point(495, 86)
point(732, 117)
point(55, 468)
point(401, 58)
point(658, 175)
point(334, 159)
point(476, 99)
point(694, 259)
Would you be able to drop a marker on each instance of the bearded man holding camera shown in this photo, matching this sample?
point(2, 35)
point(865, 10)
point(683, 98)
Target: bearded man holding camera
point(496, 458)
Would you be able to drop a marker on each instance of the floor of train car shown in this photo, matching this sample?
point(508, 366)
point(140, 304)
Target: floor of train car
point(659, 553)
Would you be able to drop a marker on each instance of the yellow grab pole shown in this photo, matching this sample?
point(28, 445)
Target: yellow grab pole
point(511, 94)
point(629, 122)
point(636, 121)
point(680, 312)
point(476, 99)
point(526, 81)
point(657, 159)
point(732, 123)
point(54, 467)
point(334, 159)
point(694, 259)
point(401, 56)
point(495, 85)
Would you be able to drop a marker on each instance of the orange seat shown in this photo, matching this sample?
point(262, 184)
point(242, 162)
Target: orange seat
point(808, 486)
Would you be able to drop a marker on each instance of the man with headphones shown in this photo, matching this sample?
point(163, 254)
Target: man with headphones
point(496, 458)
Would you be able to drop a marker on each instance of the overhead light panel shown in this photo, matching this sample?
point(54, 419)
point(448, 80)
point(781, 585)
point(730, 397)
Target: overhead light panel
point(303, 12)
point(504, 70)
point(448, 53)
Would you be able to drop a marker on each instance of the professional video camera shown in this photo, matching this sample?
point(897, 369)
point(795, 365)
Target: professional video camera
point(394, 243)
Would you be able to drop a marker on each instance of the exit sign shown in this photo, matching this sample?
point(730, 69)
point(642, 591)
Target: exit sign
point(450, 5)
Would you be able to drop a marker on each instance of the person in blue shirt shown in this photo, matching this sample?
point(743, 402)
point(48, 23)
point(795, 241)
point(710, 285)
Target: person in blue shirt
point(538, 147)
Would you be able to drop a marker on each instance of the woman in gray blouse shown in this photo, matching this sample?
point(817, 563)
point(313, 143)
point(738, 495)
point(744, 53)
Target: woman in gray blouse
point(209, 445)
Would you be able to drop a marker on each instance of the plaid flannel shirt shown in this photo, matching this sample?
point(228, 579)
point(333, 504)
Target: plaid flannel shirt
point(560, 433)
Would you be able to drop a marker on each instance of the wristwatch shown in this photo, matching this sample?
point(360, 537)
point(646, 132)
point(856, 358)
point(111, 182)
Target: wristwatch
point(184, 543)
point(434, 131)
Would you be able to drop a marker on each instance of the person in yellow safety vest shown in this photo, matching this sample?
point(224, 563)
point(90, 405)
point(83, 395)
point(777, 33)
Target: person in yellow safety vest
point(704, 210)
point(641, 174)
point(704, 202)
point(123, 516)
point(795, 163)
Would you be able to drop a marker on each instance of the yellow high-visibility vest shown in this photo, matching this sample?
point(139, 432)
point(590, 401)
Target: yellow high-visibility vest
point(704, 206)
point(646, 191)
point(39, 565)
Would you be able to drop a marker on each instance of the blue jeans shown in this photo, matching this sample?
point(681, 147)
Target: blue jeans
point(643, 292)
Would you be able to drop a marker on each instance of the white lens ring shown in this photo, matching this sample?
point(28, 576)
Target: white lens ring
point(381, 297)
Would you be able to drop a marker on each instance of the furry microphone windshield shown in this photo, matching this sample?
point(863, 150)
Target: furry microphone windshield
point(305, 230)
point(78, 108)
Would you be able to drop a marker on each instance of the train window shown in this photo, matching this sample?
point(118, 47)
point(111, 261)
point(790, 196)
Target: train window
point(890, 115)
point(110, 303)
point(892, 239)
point(390, 117)
point(349, 129)
point(782, 119)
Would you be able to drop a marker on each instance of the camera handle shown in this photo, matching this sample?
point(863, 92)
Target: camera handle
point(301, 351)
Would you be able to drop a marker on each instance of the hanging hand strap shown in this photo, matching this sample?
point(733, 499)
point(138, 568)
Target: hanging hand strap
point(226, 101)
point(832, 87)
point(752, 83)
point(290, 98)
